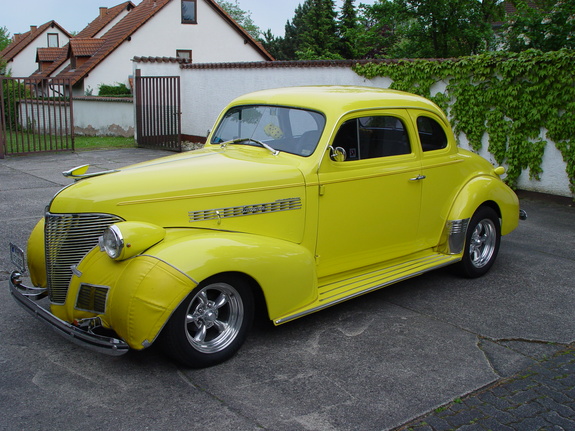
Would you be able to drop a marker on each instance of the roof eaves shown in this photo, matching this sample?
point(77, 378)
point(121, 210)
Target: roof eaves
point(101, 21)
point(114, 37)
point(13, 49)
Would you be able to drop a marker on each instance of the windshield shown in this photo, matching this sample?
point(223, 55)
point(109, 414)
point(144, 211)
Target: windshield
point(290, 130)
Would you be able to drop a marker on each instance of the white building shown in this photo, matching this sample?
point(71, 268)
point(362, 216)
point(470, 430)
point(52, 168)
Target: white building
point(21, 54)
point(194, 30)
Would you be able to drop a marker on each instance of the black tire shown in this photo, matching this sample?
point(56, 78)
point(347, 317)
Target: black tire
point(481, 243)
point(211, 324)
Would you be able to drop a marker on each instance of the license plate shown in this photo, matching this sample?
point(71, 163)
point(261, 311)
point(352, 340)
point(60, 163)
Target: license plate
point(17, 257)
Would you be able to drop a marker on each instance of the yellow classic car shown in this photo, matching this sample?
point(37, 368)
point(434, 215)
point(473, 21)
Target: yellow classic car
point(302, 198)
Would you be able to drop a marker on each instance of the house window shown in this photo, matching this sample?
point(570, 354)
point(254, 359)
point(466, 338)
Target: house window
point(184, 53)
point(53, 41)
point(189, 12)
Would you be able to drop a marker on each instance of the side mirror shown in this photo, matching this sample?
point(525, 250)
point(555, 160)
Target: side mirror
point(337, 154)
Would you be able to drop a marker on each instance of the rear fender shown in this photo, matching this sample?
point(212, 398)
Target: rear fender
point(491, 191)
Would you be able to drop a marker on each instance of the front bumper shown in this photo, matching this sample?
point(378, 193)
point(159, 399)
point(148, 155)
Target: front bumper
point(86, 338)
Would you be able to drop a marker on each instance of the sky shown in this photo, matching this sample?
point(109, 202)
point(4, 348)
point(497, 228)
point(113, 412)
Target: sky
point(74, 15)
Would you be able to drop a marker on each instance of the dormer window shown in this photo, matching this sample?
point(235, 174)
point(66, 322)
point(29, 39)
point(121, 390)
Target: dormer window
point(189, 12)
point(53, 41)
point(186, 54)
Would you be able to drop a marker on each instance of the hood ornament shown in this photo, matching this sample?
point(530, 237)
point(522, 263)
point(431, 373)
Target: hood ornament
point(79, 172)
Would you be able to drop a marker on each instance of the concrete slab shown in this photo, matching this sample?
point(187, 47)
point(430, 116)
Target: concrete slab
point(376, 362)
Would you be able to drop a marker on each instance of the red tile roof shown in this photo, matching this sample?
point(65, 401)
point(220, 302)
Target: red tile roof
point(85, 47)
point(106, 16)
point(141, 14)
point(116, 36)
point(23, 40)
point(101, 48)
point(49, 54)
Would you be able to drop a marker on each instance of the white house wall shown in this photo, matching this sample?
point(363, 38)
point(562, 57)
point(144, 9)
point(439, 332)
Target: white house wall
point(205, 92)
point(24, 64)
point(211, 40)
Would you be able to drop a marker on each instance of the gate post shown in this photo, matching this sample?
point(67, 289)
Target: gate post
point(2, 121)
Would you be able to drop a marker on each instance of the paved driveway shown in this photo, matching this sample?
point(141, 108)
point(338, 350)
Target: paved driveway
point(373, 363)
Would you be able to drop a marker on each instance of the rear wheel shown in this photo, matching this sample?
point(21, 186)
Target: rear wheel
point(211, 324)
point(481, 243)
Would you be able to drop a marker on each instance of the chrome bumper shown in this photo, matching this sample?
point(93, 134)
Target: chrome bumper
point(78, 335)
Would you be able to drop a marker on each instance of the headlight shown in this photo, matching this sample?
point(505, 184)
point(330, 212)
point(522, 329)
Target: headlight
point(112, 242)
point(129, 238)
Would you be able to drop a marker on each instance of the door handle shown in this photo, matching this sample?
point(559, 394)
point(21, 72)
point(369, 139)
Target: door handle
point(417, 178)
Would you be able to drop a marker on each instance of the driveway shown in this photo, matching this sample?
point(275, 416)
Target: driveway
point(373, 363)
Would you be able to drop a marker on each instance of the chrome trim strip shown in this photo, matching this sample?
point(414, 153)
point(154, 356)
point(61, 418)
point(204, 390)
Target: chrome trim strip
point(95, 342)
point(245, 210)
point(456, 230)
point(448, 260)
point(374, 276)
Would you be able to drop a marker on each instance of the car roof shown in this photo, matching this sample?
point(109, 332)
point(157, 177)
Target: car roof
point(338, 99)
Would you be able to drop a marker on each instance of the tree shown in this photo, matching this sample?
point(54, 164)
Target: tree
point(319, 39)
point(448, 28)
point(346, 28)
point(546, 26)
point(242, 17)
point(5, 38)
point(4, 42)
point(378, 30)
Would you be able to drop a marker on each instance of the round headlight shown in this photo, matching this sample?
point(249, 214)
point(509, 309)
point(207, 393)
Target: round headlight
point(112, 242)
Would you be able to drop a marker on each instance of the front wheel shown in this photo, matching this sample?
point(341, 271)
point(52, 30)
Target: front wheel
point(211, 324)
point(481, 243)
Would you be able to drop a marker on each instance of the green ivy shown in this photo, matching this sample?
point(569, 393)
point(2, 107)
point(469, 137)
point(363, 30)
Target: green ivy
point(508, 97)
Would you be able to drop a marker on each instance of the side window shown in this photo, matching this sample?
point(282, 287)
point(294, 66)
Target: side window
point(372, 137)
point(189, 12)
point(431, 134)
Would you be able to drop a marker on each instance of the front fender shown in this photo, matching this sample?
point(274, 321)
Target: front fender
point(487, 189)
point(285, 271)
point(141, 294)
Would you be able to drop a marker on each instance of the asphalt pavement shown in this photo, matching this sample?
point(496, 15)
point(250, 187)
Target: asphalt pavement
point(437, 352)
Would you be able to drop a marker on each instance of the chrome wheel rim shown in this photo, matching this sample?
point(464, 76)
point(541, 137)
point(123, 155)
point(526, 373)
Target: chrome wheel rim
point(214, 318)
point(482, 243)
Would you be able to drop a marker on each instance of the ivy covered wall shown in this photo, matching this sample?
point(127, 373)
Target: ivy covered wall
point(509, 98)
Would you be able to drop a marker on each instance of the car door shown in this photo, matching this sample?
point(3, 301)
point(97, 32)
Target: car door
point(443, 169)
point(369, 203)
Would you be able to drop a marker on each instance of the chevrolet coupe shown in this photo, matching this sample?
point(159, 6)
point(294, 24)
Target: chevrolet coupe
point(301, 198)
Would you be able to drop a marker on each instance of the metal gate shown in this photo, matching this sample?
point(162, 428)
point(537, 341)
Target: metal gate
point(35, 115)
point(158, 115)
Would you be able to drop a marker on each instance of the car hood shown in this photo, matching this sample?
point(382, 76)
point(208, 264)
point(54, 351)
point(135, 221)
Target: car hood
point(207, 188)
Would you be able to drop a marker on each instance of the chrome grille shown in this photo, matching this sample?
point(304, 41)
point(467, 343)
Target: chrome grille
point(69, 237)
point(92, 298)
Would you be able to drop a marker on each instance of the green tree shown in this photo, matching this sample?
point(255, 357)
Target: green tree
point(4, 42)
point(5, 38)
point(448, 28)
point(312, 34)
point(243, 18)
point(347, 30)
point(378, 30)
point(546, 25)
point(319, 38)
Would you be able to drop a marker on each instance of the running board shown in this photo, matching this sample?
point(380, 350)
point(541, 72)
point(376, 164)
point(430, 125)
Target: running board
point(334, 292)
